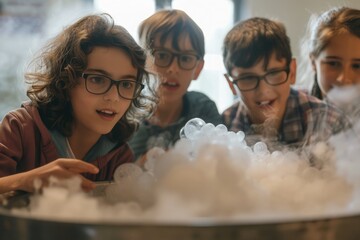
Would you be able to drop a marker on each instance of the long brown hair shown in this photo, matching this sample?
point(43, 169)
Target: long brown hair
point(325, 27)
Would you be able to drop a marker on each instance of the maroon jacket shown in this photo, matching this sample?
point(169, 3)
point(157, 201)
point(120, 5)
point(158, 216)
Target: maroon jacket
point(25, 143)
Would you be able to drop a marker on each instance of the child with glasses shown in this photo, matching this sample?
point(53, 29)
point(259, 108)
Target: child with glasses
point(334, 49)
point(176, 46)
point(261, 70)
point(85, 100)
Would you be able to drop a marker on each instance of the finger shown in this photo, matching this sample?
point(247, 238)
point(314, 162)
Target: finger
point(78, 166)
point(87, 185)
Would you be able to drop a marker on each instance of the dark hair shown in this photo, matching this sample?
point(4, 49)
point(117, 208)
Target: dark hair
point(254, 39)
point(58, 67)
point(328, 25)
point(171, 23)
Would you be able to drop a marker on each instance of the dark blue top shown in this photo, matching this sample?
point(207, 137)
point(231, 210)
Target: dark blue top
point(196, 105)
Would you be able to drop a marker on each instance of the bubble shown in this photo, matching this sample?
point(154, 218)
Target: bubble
point(231, 136)
point(208, 127)
point(182, 133)
point(261, 148)
point(277, 155)
point(240, 135)
point(192, 127)
point(126, 172)
point(221, 128)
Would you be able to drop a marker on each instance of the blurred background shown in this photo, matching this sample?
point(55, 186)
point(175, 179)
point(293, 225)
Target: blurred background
point(26, 25)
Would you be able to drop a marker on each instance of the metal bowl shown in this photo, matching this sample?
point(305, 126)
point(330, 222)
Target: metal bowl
point(13, 226)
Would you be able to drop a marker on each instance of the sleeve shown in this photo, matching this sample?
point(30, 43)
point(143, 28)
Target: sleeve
point(11, 147)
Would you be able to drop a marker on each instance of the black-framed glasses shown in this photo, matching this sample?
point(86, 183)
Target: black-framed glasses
point(251, 82)
point(164, 57)
point(100, 84)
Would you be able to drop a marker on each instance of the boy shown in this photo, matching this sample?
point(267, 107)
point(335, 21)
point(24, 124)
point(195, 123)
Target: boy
point(177, 48)
point(261, 70)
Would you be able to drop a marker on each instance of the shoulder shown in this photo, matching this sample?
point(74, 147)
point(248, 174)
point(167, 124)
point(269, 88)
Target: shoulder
point(232, 113)
point(194, 96)
point(233, 108)
point(22, 115)
point(321, 111)
point(305, 100)
point(25, 119)
point(200, 105)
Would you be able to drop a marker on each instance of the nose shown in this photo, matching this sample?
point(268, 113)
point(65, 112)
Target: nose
point(263, 87)
point(345, 77)
point(174, 65)
point(112, 94)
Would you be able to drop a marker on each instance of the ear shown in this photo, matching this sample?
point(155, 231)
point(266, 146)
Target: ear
point(231, 85)
point(198, 69)
point(292, 72)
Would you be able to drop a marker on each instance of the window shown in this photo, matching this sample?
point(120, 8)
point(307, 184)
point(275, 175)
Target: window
point(129, 14)
point(215, 23)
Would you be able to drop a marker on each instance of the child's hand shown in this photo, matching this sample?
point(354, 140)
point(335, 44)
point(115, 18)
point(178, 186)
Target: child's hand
point(60, 168)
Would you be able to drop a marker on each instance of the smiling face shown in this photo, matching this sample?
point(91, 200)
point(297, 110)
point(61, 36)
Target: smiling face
point(266, 102)
point(95, 115)
point(339, 63)
point(175, 80)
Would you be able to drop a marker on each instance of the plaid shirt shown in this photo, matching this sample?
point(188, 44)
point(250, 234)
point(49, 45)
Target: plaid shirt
point(306, 119)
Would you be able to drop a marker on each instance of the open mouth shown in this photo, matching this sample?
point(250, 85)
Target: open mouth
point(170, 84)
point(106, 113)
point(265, 103)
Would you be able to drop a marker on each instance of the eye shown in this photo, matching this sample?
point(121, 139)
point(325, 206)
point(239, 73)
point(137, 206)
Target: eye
point(356, 66)
point(162, 55)
point(248, 79)
point(187, 58)
point(274, 74)
point(333, 64)
point(96, 79)
point(127, 84)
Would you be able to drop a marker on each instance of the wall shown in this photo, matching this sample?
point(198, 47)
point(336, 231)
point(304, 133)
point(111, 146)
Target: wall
point(295, 15)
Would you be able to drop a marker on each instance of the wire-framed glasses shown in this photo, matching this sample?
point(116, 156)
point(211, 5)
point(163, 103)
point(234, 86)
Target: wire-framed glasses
point(164, 57)
point(100, 84)
point(251, 82)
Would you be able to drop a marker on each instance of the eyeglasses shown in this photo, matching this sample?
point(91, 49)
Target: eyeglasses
point(100, 84)
point(251, 82)
point(186, 61)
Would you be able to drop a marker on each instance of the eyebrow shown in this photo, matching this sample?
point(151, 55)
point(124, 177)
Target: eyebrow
point(333, 57)
point(178, 52)
point(339, 58)
point(103, 72)
point(267, 71)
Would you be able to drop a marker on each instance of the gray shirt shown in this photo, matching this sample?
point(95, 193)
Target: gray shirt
point(196, 105)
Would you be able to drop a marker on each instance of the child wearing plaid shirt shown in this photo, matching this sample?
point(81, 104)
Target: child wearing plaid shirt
point(260, 70)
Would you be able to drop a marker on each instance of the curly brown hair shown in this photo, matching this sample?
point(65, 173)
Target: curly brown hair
point(58, 67)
